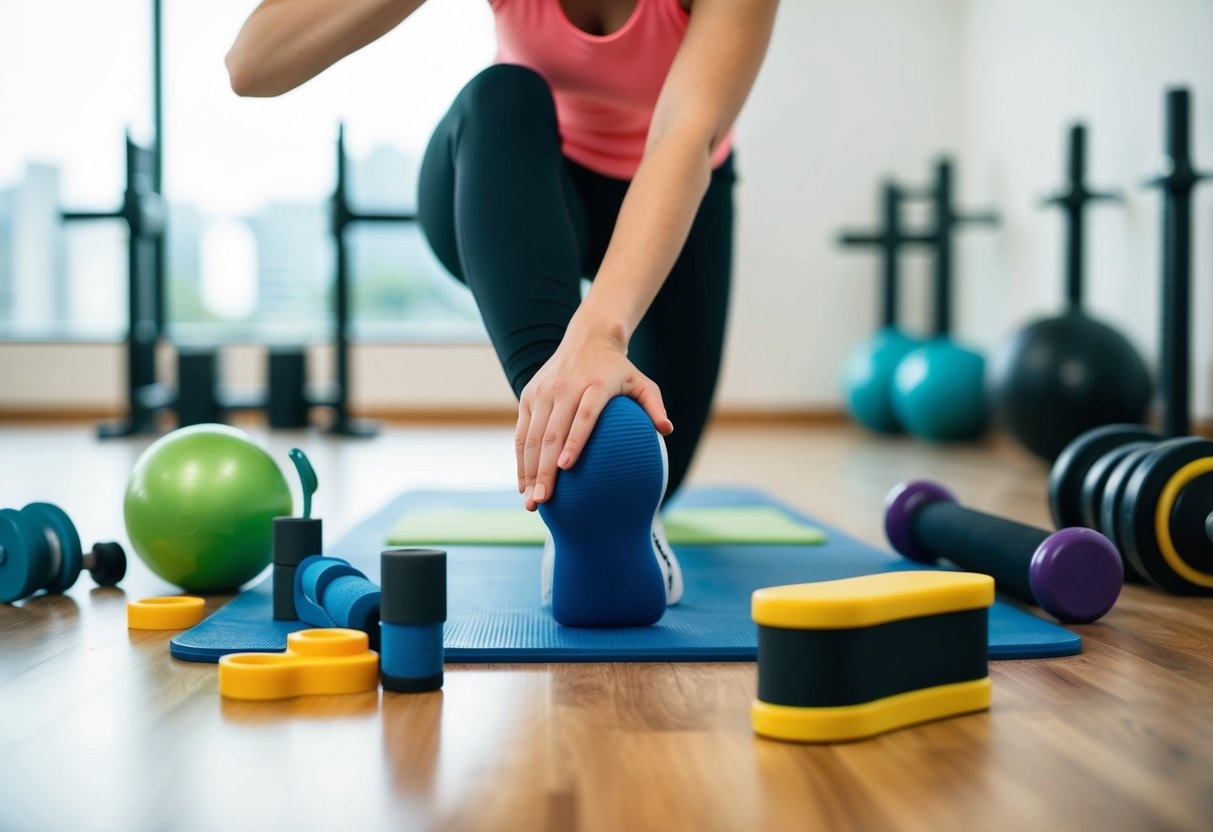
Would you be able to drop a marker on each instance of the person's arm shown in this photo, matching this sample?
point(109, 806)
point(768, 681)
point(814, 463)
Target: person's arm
point(707, 84)
point(287, 42)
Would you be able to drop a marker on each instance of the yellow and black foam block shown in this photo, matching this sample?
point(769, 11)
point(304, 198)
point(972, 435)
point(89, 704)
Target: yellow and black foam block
point(843, 660)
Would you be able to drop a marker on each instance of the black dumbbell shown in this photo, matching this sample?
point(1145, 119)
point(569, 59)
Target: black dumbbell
point(40, 550)
point(1074, 574)
point(1070, 495)
point(1159, 512)
point(1153, 498)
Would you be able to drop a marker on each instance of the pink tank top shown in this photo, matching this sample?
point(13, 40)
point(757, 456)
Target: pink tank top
point(605, 86)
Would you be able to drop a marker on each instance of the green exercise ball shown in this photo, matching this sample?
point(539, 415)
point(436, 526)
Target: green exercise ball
point(199, 507)
point(867, 378)
point(939, 392)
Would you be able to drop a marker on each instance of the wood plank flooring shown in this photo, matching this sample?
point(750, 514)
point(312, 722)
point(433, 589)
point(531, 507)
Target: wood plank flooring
point(100, 729)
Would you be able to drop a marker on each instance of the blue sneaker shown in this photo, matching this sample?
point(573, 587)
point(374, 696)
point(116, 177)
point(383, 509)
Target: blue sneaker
point(610, 565)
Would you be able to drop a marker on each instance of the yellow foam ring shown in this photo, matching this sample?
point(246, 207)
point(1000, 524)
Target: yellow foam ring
point(854, 722)
point(323, 661)
point(172, 612)
point(870, 599)
point(1162, 520)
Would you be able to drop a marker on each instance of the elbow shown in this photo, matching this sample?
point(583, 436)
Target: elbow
point(245, 78)
point(240, 75)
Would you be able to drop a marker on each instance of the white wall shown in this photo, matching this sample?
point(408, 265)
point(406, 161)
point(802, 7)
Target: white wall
point(851, 90)
point(1030, 68)
point(856, 89)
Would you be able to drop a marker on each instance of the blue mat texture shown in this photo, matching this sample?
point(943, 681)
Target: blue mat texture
point(495, 615)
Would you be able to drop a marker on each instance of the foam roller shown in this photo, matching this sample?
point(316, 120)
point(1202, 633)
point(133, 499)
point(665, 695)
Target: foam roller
point(413, 611)
point(844, 660)
point(331, 593)
point(295, 539)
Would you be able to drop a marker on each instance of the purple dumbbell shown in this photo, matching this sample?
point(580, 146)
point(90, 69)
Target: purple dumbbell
point(1075, 574)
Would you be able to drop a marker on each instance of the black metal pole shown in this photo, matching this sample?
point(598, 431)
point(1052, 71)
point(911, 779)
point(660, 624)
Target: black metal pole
point(944, 217)
point(890, 303)
point(342, 217)
point(161, 244)
point(341, 333)
point(1073, 203)
point(1075, 236)
point(889, 240)
point(1177, 183)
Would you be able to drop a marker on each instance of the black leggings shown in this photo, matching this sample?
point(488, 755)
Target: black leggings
point(520, 224)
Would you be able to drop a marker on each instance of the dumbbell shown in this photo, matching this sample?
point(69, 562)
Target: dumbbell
point(40, 550)
point(1152, 497)
point(1075, 574)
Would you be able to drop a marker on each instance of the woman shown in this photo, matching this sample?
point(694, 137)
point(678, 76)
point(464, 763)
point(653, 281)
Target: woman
point(599, 145)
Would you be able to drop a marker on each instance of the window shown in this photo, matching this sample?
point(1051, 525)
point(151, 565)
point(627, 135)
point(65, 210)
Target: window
point(247, 181)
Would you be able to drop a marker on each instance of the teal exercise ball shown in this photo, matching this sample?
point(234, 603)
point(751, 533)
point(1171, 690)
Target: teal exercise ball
point(939, 391)
point(200, 505)
point(867, 379)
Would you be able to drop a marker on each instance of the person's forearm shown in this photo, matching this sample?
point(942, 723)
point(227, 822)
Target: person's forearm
point(650, 232)
point(287, 42)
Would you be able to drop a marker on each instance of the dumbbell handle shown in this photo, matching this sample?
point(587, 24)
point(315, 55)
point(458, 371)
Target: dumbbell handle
point(1074, 574)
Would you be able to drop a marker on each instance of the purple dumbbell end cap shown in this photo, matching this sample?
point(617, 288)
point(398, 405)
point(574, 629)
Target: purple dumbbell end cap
point(1076, 575)
point(899, 508)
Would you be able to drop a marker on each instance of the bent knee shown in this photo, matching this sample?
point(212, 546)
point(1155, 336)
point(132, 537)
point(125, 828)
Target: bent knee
point(508, 89)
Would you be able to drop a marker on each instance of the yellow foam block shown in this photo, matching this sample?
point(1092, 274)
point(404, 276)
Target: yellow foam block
point(848, 659)
point(854, 722)
point(321, 661)
point(173, 612)
point(870, 599)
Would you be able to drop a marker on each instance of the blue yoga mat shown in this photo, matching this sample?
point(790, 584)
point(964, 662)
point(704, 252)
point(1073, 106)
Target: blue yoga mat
point(495, 615)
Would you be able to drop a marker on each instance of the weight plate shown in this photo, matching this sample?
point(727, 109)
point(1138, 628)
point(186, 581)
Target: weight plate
point(1151, 493)
point(1096, 480)
point(24, 569)
point(63, 544)
point(1070, 469)
point(19, 558)
point(1190, 523)
point(1109, 506)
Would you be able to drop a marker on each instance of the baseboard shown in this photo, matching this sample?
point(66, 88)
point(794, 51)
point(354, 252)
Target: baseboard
point(724, 416)
point(730, 416)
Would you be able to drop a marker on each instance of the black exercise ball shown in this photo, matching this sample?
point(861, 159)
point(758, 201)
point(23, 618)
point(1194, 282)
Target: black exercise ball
point(1062, 376)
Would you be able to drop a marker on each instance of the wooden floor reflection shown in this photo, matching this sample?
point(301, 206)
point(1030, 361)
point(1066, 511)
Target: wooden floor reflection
point(101, 729)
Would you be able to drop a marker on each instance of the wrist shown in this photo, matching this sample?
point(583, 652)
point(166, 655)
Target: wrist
point(589, 324)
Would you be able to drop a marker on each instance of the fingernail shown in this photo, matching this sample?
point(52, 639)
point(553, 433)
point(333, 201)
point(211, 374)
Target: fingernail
point(527, 493)
point(564, 459)
point(539, 493)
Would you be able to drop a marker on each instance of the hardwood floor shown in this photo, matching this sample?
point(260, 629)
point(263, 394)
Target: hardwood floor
point(101, 729)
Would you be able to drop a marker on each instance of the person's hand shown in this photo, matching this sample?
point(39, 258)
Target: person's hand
point(560, 406)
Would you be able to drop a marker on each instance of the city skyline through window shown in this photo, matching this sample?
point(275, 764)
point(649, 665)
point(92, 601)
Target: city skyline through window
point(247, 181)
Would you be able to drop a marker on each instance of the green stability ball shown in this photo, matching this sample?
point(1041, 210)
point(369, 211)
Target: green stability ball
point(939, 392)
point(199, 507)
point(867, 378)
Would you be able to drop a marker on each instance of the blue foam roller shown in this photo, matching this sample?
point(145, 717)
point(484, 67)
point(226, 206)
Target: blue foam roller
point(411, 656)
point(317, 572)
point(601, 519)
point(307, 605)
point(352, 601)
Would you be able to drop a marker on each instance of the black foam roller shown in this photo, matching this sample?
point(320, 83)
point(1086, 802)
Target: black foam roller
point(295, 538)
point(413, 586)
